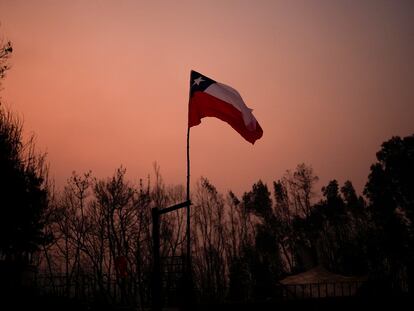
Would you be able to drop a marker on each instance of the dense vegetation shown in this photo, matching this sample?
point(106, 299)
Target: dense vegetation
point(240, 246)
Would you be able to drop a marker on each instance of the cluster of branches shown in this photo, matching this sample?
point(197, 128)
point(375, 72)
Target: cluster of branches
point(23, 191)
point(5, 51)
point(23, 183)
point(96, 224)
point(240, 246)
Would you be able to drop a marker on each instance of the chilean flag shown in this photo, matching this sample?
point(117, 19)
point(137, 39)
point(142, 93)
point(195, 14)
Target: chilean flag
point(209, 98)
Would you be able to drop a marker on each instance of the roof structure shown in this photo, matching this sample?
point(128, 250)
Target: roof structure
point(319, 274)
point(320, 283)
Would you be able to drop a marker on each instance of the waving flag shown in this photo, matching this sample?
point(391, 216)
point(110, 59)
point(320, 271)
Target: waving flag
point(209, 98)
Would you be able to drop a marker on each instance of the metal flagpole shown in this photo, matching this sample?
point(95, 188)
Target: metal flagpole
point(188, 200)
point(188, 259)
point(188, 301)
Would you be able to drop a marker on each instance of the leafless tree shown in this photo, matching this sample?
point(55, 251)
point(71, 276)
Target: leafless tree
point(210, 234)
point(294, 194)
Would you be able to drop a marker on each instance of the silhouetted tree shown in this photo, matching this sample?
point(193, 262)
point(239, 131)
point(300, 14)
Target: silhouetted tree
point(391, 202)
point(258, 200)
point(100, 223)
point(355, 249)
point(209, 236)
point(265, 261)
point(23, 184)
point(23, 198)
point(5, 51)
point(337, 225)
point(240, 247)
point(241, 230)
point(333, 228)
point(293, 194)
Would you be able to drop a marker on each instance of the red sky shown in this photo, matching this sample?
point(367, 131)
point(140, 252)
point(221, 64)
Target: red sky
point(105, 83)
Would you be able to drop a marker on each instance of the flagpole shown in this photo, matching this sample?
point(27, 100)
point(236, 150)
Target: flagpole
point(188, 259)
point(188, 271)
point(188, 200)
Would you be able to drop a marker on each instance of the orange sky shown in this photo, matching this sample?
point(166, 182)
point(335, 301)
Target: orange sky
point(105, 83)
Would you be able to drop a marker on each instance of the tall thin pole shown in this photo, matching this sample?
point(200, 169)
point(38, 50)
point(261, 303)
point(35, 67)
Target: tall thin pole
point(188, 263)
point(188, 200)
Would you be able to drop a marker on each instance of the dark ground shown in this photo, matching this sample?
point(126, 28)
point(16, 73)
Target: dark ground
point(30, 302)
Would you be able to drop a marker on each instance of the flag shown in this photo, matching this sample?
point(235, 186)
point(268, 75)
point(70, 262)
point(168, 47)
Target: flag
point(209, 98)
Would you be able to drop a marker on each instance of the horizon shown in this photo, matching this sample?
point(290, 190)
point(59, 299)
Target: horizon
point(105, 84)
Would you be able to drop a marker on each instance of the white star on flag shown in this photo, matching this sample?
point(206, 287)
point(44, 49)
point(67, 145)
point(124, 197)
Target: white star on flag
point(198, 81)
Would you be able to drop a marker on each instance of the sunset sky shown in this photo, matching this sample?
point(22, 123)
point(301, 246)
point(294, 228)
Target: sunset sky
point(105, 83)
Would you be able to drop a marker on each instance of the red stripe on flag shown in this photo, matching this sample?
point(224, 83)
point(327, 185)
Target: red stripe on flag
point(205, 105)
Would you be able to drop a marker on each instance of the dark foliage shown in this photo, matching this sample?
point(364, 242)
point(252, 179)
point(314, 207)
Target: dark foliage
point(390, 190)
point(23, 196)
